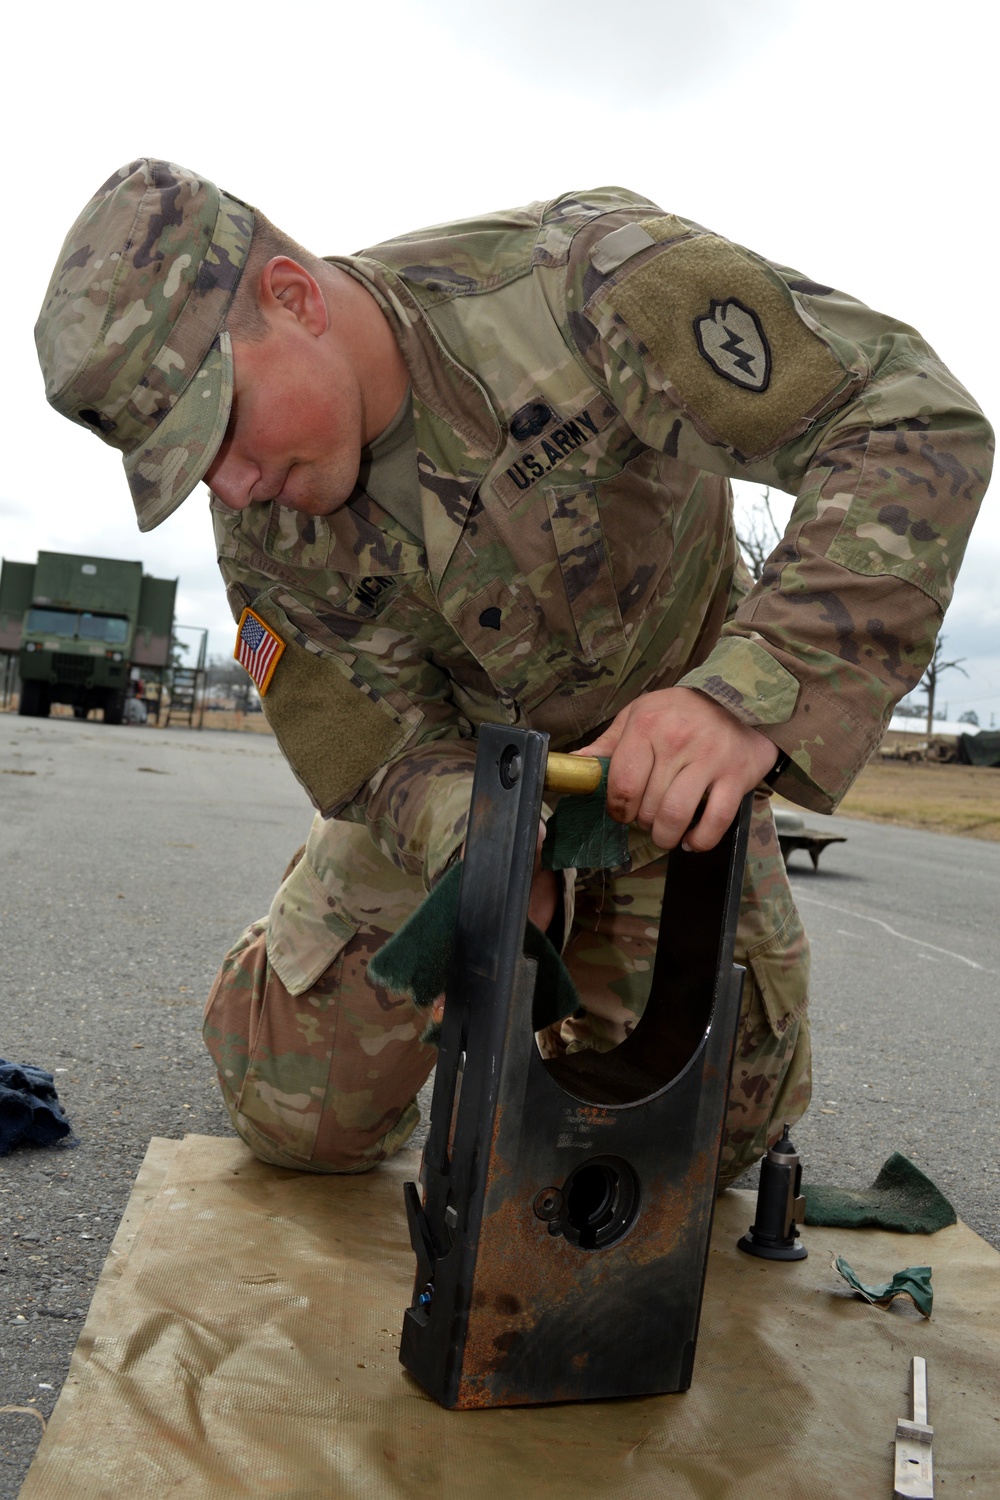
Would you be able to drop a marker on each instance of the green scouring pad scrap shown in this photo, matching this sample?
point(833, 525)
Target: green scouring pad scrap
point(416, 959)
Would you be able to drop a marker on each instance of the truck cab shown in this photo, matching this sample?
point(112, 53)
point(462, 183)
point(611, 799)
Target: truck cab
point(85, 623)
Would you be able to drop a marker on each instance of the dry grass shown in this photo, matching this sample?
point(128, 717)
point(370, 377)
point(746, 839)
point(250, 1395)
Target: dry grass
point(224, 718)
point(940, 799)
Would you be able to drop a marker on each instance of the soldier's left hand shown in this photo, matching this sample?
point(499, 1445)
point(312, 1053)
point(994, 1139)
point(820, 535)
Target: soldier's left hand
point(670, 749)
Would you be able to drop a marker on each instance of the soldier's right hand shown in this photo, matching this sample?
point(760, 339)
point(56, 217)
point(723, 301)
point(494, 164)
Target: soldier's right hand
point(672, 749)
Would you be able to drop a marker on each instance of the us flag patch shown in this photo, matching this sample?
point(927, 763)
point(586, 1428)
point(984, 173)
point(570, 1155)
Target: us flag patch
point(258, 649)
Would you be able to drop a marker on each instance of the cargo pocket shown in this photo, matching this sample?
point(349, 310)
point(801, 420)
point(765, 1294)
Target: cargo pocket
point(307, 928)
point(779, 971)
point(278, 1105)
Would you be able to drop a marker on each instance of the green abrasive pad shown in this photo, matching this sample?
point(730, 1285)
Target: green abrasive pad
point(582, 835)
point(900, 1198)
point(913, 1282)
point(416, 959)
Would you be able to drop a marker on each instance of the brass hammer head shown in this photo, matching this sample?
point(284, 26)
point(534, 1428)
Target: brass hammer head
point(574, 774)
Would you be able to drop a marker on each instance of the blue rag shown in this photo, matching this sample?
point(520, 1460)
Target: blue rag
point(29, 1107)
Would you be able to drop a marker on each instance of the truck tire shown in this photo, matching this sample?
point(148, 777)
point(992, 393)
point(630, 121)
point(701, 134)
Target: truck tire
point(35, 700)
point(114, 705)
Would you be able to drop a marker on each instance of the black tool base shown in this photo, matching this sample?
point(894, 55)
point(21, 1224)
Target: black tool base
point(562, 1234)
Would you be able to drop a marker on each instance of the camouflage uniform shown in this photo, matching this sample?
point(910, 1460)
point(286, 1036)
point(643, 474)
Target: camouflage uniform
point(319, 1067)
point(587, 375)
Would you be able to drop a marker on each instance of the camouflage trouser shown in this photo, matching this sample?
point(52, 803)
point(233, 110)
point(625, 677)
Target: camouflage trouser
point(319, 1068)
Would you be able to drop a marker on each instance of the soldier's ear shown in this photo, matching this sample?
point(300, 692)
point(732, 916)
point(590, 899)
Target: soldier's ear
point(287, 287)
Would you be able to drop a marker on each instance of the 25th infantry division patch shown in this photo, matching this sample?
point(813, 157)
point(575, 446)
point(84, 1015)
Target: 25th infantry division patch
point(727, 334)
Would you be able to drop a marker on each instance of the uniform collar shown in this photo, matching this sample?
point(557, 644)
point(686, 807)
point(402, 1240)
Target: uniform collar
point(457, 431)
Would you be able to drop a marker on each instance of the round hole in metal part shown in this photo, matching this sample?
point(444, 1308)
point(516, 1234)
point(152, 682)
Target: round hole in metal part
point(510, 767)
point(601, 1198)
point(548, 1203)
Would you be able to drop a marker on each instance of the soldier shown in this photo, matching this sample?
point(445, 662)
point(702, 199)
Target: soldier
point(481, 473)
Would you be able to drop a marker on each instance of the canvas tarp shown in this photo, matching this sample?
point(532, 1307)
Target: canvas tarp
point(982, 749)
point(243, 1342)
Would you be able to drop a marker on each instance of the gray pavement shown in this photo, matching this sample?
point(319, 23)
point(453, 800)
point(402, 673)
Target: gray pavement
point(905, 934)
point(131, 858)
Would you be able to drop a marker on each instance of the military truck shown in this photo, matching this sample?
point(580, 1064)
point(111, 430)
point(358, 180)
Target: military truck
point(79, 626)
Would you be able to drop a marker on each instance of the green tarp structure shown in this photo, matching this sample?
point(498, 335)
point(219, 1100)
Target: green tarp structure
point(982, 749)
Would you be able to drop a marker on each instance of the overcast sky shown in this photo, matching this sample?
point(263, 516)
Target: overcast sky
point(857, 143)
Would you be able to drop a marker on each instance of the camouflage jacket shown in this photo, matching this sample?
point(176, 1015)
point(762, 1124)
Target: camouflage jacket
point(587, 375)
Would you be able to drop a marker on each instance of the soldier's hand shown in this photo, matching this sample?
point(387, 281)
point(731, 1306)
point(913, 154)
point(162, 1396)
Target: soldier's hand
point(671, 748)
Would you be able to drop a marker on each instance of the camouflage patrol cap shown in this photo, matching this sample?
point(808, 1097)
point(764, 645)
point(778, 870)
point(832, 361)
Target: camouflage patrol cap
point(130, 335)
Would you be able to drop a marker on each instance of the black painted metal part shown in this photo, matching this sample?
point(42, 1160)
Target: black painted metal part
point(774, 1233)
point(562, 1234)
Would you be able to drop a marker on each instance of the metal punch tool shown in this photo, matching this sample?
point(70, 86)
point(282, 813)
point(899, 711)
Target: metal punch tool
point(914, 1459)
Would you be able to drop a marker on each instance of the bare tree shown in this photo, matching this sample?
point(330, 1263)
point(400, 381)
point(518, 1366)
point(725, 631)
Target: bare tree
point(758, 533)
point(936, 668)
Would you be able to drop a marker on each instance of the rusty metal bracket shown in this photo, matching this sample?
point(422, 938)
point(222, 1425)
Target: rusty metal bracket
point(562, 1233)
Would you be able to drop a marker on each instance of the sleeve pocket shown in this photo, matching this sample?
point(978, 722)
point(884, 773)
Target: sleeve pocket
point(896, 526)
